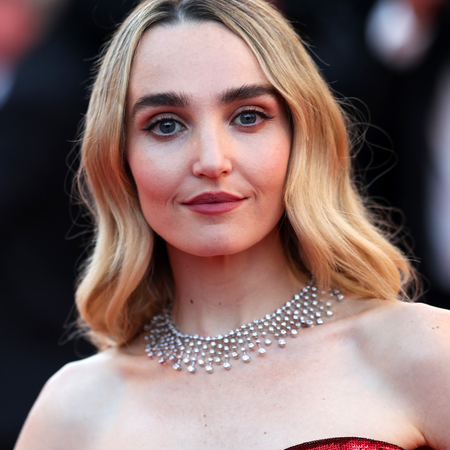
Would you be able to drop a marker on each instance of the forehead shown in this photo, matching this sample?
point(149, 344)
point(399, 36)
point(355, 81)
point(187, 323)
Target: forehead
point(199, 60)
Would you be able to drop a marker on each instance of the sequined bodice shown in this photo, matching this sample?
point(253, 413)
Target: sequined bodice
point(345, 443)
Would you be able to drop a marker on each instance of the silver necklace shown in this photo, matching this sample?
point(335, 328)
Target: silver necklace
point(165, 342)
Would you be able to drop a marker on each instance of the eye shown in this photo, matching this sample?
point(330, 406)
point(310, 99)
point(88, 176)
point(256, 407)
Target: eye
point(248, 119)
point(165, 127)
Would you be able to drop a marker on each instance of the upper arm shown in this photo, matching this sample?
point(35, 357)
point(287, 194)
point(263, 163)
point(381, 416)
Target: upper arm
point(71, 410)
point(52, 422)
point(427, 373)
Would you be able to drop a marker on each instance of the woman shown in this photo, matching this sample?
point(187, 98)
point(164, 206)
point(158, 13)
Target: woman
point(216, 164)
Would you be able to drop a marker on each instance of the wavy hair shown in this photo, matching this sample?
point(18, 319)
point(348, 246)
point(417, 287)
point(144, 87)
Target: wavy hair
point(326, 230)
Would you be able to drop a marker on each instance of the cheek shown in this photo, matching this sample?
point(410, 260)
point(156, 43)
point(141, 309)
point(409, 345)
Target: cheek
point(270, 174)
point(156, 182)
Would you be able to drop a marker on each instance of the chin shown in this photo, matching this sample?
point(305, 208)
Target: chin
point(205, 246)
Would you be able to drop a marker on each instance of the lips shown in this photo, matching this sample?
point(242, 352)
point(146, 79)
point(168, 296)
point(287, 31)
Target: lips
point(214, 202)
point(213, 197)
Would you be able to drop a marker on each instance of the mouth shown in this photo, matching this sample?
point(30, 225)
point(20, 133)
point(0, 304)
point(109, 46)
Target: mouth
point(214, 202)
point(213, 197)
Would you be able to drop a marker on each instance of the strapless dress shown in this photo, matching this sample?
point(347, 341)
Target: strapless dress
point(345, 443)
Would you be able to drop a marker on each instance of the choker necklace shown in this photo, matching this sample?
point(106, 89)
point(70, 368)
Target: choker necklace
point(165, 342)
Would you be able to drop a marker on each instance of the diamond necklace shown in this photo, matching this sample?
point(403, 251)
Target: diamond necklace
point(165, 342)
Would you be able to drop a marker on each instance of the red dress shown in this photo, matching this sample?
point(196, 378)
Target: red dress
point(345, 443)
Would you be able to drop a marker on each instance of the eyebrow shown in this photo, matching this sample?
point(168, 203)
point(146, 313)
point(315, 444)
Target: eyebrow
point(176, 100)
point(164, 99)
point(247, 92)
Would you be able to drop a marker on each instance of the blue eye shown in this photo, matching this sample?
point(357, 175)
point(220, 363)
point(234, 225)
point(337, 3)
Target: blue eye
point(164, 127)
point(167, 127)
point(250, 118)
point(247, 118)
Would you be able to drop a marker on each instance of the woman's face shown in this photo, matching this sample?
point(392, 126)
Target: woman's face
point(208, 139)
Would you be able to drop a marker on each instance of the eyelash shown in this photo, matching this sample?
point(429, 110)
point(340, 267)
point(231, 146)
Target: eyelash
point(262, 115)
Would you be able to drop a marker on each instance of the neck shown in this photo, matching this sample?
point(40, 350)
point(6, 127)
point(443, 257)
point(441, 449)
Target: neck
point(214, 295)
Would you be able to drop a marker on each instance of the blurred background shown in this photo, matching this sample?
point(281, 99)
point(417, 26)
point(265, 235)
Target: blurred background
point(389, 58)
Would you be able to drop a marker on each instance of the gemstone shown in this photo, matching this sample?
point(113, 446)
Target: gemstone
point(267, 342)
point(282, 343)
point(218, 361)
point(186, 360)
point(294, 333)
point(209, 369)
point(251, 346)
point(235, 355)
point(246, 358)
point(191, 369)
point(227, 365)
point(201, 362)
point(177, 367)
point(261, 351)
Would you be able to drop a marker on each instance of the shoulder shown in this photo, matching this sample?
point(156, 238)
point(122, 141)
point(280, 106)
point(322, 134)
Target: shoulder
point(416, 332)
point(409, 346)
point(75, 404)
point(412, 337)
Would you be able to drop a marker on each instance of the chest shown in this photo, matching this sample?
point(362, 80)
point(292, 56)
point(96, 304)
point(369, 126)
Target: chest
point(282, 399)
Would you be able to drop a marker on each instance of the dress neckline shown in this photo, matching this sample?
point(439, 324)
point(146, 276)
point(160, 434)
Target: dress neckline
point(346, 442)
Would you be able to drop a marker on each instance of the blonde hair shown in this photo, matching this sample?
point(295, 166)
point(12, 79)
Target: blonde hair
point(327, 230)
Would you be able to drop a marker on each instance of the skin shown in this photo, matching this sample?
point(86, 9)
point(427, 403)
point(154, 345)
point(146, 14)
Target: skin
point(377, 370)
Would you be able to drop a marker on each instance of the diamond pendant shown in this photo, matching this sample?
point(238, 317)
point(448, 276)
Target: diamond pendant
point(165, 342)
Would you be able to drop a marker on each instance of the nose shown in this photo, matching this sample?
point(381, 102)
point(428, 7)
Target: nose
point(212, 154)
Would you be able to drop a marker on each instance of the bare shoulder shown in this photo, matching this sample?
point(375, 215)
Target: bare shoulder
point(75, 405)
point(409, 346)
point(417, 331)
